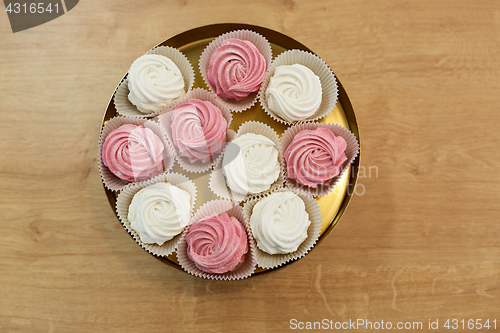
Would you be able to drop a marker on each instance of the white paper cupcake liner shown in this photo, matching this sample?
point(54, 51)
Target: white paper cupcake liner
point(319, 67)
point(351, 152)
point(217, 182)
point(123, 105)
point(111, 181)
point(266, 260)
point(262, 45)
point(218, 207)
point(125, 198)
point(165, 119)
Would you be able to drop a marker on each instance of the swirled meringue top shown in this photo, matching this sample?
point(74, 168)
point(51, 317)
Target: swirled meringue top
point(250, 164)
point(154, 81)
point(133, 153)
point(198, 130)
point(217, 244)
point(314, 157)
point(279, 223)
point(159, 212)
point(236, 69)
point(294, 92)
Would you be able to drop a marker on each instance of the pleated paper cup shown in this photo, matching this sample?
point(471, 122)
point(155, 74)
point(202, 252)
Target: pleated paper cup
point(111, 181)
point(127, 194)
point(266, 260)
point(243, 270)
point(123, 105)
point(217, 182)
point(351, 152)
point(260, 43)
point(319, 67)
point(165, 119)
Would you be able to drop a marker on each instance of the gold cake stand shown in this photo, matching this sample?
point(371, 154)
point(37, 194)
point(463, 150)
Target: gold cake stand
point(192, 43)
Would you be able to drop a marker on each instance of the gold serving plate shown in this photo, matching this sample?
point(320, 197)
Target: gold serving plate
point(192, 43)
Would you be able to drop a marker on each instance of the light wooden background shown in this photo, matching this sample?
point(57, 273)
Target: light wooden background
point(421, 243)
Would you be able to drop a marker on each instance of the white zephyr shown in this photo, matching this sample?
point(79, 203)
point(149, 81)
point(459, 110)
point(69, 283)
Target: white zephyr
point(159, 212)
point(279, 223)
point(154, 81)
point(250, 164)
point(294, 92)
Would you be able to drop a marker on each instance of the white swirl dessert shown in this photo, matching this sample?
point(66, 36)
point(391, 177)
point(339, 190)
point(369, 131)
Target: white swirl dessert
point(154, 81)
point(159, 212)
point(294, 92)
point(250, 164)
point(279, 223)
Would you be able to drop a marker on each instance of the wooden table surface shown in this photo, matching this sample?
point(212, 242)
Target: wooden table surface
point(419, 243)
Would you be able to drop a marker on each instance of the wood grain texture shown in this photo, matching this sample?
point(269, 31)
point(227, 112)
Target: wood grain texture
point(422, 242)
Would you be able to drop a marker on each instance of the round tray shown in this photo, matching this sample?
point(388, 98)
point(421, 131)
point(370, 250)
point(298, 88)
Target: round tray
point(192, 43)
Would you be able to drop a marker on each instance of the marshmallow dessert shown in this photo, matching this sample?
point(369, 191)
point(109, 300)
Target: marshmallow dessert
point(217, 243)
point(159, 212)
point(155, 212)
point(234, 65)
point(294, 92)
point(279, 223)
point(133, 153)
point(154, 81)
point(236, 69)
point(314, 157)
point(284, 225)
point(198, 130)
point(299, 87)
point(250, 164)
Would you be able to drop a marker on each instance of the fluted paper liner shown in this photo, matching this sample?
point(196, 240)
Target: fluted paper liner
point(319, 67)
point(165, 119)
point(123, 105)
point(260, 43)
point(125, 198)
point(111, 181)
point(266, 260)
point(217, 181)
point(351, 152)
point(243, 270)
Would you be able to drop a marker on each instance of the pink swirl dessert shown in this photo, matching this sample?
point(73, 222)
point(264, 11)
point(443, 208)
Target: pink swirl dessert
point(133, 153)
point(198, 130)
point(236, 69)
point(217, 244)
point(314, 157)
